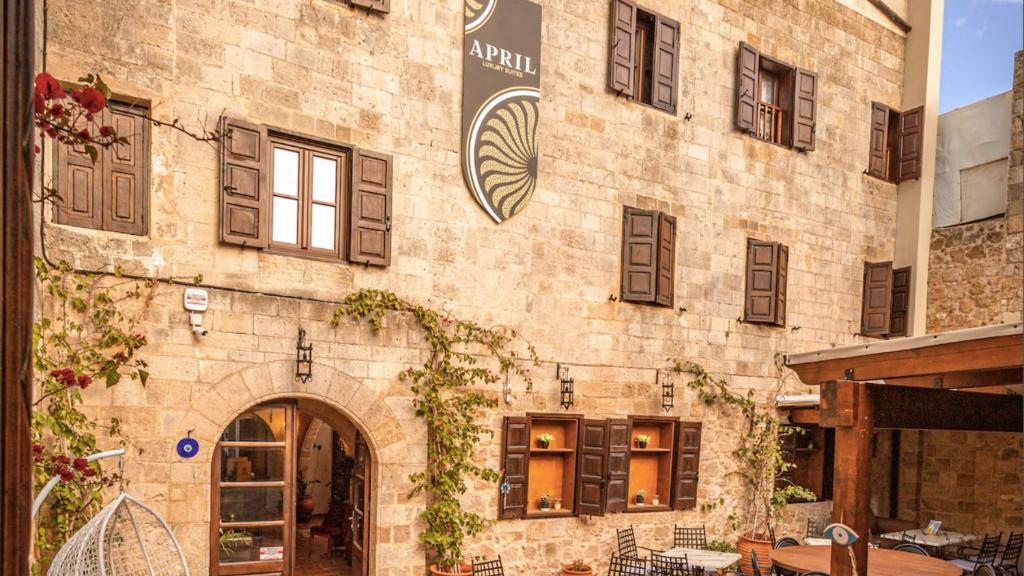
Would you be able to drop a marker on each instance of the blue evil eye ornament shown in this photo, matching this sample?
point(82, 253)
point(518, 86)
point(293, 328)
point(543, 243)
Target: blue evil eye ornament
point(505, 487)
point(840, 534)
point(188, 447)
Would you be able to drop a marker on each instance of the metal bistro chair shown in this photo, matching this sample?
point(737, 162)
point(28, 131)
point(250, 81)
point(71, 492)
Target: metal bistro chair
point(627, 544)
point(911, 548)
point(754, 564)
point(488, 568)
point(672, 566)
point(985, 555)
point(1011, 554)
point(693, 538)
point(985, 570)
point(785, 542)
point(624, 566)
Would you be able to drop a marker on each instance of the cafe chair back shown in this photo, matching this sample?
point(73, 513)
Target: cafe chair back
point(693, 538)
point(623, 566)
point(488, 568)
point(911, 548)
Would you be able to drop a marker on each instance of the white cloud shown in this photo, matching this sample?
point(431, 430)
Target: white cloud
point(959, 22)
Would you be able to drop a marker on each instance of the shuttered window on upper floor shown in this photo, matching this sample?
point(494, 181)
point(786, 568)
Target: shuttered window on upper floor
point(298, 195)
point(112, 193)
point(643, 55)
point(648, 257)
point(775, 102)
point(383, 6)
point(766, 286)
point(885, 300)
point(895, 143)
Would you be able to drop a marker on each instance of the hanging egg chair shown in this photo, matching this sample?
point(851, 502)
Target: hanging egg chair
point(127, 538)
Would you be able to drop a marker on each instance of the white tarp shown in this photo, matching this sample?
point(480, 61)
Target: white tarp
point(973, 144)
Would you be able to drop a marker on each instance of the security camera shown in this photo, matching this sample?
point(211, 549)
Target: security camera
point(200, 331)
point(196, 302)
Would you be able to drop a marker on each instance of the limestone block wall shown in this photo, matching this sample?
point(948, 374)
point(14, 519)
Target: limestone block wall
point(392, 83)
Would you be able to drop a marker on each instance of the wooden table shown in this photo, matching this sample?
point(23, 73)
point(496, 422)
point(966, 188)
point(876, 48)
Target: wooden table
point(707, 559)
point(880, 562)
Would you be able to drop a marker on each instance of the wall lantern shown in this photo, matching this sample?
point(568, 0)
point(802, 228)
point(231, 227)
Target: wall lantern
point(303, 358)
point(565, 385)
point(668, 390)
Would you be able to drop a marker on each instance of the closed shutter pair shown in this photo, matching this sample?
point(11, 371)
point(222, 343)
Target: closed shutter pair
point(648, 257)
point(622, 55)
point(803, 108)
point(909, 140)
point(767, 271)
point(886, 300)
point(246, 195)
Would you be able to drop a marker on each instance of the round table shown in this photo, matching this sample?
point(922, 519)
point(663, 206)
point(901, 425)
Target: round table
point(880, 562)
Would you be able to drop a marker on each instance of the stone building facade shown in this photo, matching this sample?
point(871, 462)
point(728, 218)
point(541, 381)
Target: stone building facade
point(391, 83)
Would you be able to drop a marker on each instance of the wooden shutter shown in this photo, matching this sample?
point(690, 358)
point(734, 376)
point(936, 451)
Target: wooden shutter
point(125, 181)
point(617, 462)
point(377, 5)
point(622, 47)
point(370, 208)
point(748, 62)
point(781, 279)
point(515, 458)
point(245, 194)
point(762, 278)
point(79, 185)
point(787, 446)
point(639, 255)
point(878, 147)
point(805, 104)
point(910, 143)
point(666, 259)
point(877, 306)
point(900, 301)
point(687, 468)
point(590, 484)
point(666, 64)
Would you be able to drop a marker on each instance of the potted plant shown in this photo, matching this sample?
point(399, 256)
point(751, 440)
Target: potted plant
point(558, 503)
point(656, 500)
point(641, 497)
point(304, 502)
point(576, 568)
point(545, 502)
point(544, 440)
point(642, 440)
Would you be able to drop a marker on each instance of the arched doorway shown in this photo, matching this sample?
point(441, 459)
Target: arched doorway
point(265, 519)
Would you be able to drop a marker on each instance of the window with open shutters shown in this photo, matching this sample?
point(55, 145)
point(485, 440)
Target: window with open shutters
point(774, 101)
point(643, 55)
point(885, 300)
point(767, 276)
point(112, 193)
point(297, 195)
point(648, 257)
point(894, 148)
point(383, 6)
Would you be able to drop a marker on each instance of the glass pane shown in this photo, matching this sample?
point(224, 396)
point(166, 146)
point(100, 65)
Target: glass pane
point(251, 544)
point(251, 504)
point(325, 181)
point(286, 172)
point(260, 464)
point(265, 424)
point(286, 220)
point(323, 227)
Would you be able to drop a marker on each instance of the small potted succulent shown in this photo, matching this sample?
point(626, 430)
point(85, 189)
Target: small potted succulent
point(545, 502)
point(642, 440)
point(641, 497)
point(576, 568)
point(544, 440)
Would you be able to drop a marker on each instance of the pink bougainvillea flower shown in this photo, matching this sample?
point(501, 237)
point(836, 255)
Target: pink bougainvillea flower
point(48, 87)
point(37, 448)
point(90, 98)
point(57, 111)
point(80, 464)
point(88, 472)
point(84, 381)
point(106, 131)
point(37, 101)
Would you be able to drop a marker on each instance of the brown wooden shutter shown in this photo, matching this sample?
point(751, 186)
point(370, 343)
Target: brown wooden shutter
point(125, 181)
point(245, 193)
point(590, 484)
point(370, 208)
point(377, 5)
point(515, 457)
point(910, 143)
point(877, 306)
point(639, 255)
point(666, 259)
point(622, 47)
point(687, 469)
point(787, 446)
point(762, 278)
point(900, 301)
point(79, 185)
point(617, 462)
point(748, 63)
point(878, 146)
point(666, 64)
point(781, 280)
point(805, 104)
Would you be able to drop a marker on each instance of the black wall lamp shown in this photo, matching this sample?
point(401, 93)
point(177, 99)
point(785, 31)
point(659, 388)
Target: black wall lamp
point(303, 358)
point(565, 385)
point(668, 389)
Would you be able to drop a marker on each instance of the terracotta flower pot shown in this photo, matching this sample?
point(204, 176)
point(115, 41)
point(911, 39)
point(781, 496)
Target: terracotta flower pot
point(463, 570)
point(748, 543)
point(568, 571)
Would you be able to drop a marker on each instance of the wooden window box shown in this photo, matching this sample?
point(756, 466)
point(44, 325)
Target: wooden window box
point(650, 468)
point(533, 471)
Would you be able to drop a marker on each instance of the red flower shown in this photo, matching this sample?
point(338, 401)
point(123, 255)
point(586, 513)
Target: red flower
point(106, 131)
point(83, 134)
point(63, 459)
point(65, 473)
point(65, 376)
point(48, 87)
point(90, 98)
point(57, 111)
point(88, 472)
point(84, 381)
point(37, 101)
point(80, 464)
point(37, 448)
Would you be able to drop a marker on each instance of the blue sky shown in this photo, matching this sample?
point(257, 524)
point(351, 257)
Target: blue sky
point(979, 38)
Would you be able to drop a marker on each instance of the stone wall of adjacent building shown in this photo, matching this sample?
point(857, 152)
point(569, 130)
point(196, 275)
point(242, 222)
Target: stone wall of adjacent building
point(392, 84)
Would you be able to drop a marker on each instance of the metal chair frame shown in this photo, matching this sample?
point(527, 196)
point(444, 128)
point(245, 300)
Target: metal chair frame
point(693, 538)
point(627, 544)
point(488, 568)
point(626, 566)
point(1011, 554)
point(670, 565)
point(911, 548)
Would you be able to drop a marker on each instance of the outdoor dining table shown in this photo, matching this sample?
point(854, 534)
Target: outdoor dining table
point(942, 538)
point(707, 559)
point(881, 562)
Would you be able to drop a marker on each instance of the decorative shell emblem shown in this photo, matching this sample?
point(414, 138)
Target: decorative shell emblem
point(502, 158)
point(478, 12)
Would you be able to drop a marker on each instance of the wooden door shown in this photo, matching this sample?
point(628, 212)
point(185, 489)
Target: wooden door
point(360, 498)
point(252, 523)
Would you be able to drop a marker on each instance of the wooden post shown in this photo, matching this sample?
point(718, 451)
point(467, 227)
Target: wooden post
point(847, 407)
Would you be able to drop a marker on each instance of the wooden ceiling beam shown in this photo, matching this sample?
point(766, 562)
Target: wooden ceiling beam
point(959, 380)
point(905, 408)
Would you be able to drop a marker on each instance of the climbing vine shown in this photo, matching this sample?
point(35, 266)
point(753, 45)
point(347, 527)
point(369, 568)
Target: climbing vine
point(444, 397)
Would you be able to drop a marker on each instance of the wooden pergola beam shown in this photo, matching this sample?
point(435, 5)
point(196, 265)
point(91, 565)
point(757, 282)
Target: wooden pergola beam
point(902, 408)
point(849, 406)
point(957, 381)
